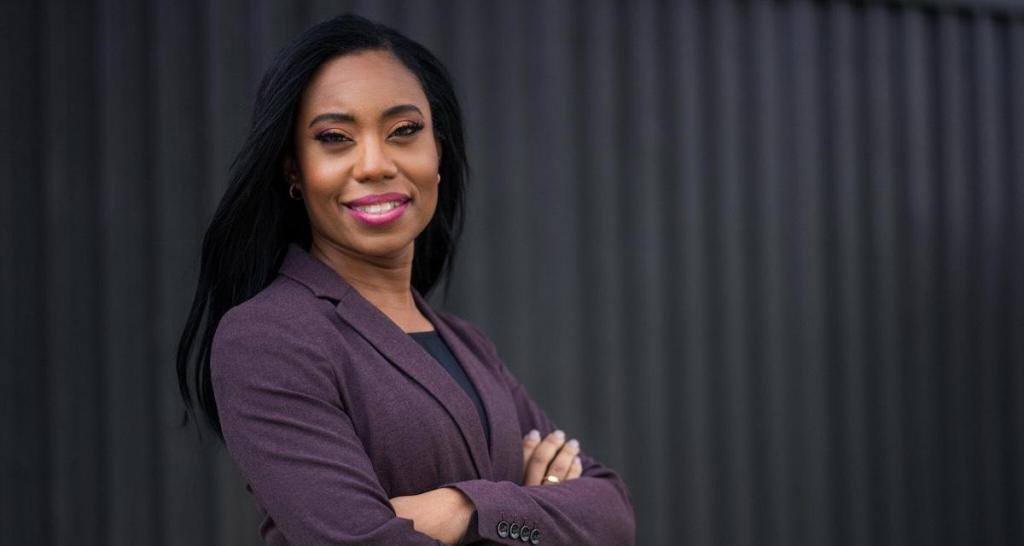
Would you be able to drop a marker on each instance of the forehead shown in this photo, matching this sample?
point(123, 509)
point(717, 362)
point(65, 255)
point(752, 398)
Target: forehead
point(366, 81)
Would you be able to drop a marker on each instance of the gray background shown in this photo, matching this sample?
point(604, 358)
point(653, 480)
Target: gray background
point(763, 258)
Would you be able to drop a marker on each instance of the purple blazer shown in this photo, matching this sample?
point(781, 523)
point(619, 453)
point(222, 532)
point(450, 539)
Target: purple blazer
point(329, 409)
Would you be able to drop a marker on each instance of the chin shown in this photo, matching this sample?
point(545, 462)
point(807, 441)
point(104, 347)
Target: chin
point(385, 247)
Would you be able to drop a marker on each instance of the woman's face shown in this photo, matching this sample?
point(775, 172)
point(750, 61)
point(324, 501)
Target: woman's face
point(366, 157)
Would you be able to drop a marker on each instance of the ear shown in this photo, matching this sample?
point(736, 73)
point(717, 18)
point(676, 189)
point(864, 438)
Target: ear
point(289, 168)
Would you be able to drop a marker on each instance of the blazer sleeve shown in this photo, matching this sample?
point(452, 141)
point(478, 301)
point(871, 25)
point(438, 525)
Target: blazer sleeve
point(285, 427)
point(594, 509)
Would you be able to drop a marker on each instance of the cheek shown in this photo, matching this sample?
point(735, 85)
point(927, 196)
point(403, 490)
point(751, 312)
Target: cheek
point(423, 173)
point(429, 190)
point(320, 170)
point(323, 178)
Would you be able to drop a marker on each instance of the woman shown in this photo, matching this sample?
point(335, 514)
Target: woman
point(355, 412)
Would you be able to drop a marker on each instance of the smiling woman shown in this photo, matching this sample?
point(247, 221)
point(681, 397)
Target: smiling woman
point(356, 413)
point(367, 170)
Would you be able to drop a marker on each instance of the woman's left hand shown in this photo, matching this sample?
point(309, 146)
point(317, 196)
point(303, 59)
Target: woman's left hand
point(551, 457)
point(442, 514)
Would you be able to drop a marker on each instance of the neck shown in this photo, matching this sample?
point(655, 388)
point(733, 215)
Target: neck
point(383, 281)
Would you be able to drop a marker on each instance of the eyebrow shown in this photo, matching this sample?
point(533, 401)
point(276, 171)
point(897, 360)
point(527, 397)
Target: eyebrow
point(345, 117)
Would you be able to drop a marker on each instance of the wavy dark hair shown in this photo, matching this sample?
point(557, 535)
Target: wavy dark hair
point(255, 221)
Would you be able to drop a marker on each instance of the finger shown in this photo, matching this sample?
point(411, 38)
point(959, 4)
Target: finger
point(541, 457)
point(560, 465)
point(530, 442)
point(576, 469)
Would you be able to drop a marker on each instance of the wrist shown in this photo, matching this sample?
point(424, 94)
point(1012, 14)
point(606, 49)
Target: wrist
point(461, 505)
point(465, 512)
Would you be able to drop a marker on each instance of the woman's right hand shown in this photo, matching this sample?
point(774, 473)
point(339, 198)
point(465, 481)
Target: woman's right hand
point(552, 456)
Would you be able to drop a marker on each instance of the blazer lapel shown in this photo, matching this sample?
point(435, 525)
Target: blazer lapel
point(489, 391)
point(400, 349)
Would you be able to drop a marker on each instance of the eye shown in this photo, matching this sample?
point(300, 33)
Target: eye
point(331, 138)
point(408, 129)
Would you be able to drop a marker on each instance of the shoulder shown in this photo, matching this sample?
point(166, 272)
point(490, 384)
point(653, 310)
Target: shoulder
point(281, 327)
point(285, 308)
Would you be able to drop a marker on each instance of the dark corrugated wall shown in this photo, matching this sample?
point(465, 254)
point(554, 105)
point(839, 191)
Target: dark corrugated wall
point(764, 258)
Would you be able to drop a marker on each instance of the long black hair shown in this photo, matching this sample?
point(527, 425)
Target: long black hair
point(255, 221)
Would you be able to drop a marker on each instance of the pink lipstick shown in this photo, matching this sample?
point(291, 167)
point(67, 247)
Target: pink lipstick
point(378, 209)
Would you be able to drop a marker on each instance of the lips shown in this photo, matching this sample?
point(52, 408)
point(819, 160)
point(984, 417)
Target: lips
point(378, 209)
point(376, 198)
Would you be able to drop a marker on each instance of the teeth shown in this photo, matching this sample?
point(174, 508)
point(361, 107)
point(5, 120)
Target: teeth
point(378, 208)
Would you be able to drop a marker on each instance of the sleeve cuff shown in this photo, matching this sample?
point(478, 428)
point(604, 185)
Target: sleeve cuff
point(503, 513)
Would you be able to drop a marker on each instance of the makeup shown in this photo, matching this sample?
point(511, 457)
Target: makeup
point(378, 209)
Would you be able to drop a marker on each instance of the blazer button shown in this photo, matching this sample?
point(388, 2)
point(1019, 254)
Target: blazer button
point(535, 536)
point(524, 533)
point(513, 531)
point(502, 528)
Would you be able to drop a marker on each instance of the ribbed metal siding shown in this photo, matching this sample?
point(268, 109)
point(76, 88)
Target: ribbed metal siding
point(763, 258)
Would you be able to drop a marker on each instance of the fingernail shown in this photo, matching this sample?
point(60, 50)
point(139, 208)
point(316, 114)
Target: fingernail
point(533, 435)
point(573, 443)
point(577, 460)
point(559, 434)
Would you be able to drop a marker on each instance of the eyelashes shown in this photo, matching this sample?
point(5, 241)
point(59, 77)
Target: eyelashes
point(406, 130)
point(331, 138)
point(409, 129)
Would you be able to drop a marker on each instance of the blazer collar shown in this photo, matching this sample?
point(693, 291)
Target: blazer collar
point(302, 266)
point(404, 352)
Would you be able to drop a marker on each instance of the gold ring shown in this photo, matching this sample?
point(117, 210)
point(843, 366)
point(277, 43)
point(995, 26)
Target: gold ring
point(551, 478)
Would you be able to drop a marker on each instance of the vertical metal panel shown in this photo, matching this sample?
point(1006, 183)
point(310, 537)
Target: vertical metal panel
point(508, 116)
point(179, 144)
point(762, 258)
point(989, 282)
point(919, 219)
point(851, 479)
point(728, 179)
point(641, 261)
point(600, 248)
point(885, 332)
point(470, 56)
point(687, 294)
point(124, 179)
point(1015, 312)
point(555, 256)
point(25, 515)
point(771, 307)
point(808, 243)
point(953, 177)
point(231, 75)
point(71, 274)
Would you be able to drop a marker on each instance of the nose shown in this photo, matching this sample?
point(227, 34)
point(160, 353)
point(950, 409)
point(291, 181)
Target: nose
point(373, 162)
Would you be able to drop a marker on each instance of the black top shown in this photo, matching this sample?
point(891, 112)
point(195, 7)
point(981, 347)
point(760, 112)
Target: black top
point(435, 345)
